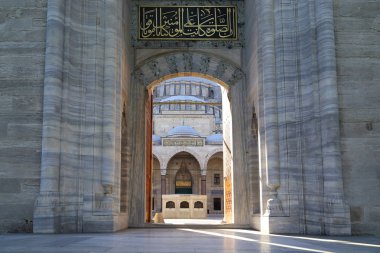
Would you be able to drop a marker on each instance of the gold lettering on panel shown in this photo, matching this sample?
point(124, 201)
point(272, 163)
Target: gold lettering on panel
point(183, 183)
point(183, 142)
point(188, 23)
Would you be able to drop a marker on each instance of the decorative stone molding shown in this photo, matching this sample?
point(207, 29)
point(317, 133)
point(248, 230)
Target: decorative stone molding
point(155, 69)
point(274, 206)
point(163, 171)
point(107, 189)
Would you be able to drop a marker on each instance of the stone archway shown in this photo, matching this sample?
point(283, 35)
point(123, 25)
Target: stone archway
point(290, 86)
point(175, 63)
point(210, 155)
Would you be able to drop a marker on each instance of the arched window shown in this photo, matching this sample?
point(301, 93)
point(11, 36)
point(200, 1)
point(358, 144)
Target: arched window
point(198, 204)
point(170, 204)
point(184, 204)
point(211, 93)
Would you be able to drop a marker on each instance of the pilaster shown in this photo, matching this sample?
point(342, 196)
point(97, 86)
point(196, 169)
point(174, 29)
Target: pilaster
point(298, 119)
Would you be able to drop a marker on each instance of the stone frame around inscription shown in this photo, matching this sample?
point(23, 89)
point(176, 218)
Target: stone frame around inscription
point(235, 31)
point(178, 44)
point(190, 142)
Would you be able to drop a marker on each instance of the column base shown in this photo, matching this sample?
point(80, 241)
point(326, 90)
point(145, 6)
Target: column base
point(46, 217)
point(279, 225)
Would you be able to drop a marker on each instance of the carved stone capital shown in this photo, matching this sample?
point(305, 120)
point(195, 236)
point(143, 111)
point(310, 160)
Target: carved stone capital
point(107, 189)
point(274, 206)
point(163, 171)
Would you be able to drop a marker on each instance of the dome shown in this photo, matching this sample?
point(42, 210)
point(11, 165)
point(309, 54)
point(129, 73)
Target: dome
point(182, 99)
point(156, 140)
point(182, 131)
point(215, 139)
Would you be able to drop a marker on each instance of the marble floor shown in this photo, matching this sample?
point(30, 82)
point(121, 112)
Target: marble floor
point(183, 240)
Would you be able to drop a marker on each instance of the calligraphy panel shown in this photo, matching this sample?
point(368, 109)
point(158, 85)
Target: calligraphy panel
point(183, 184)
point(195, 142)
point(188, 23)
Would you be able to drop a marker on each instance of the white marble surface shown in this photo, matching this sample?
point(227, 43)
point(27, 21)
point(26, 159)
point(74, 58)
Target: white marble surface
point(92, 178)
point(183, 240)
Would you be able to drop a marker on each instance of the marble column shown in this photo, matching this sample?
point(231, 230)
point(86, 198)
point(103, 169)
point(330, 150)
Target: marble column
point(295, 82)
point(270, 109)
point(336, 213)
point(203, 182)
point(45, 213)
point(203, 185)
point(163, 184)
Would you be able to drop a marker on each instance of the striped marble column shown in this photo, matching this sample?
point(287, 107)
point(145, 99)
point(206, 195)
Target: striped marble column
point(295, 85)
point(270, 107)
point(45, 216)
point(81, 163)
point(336, 211)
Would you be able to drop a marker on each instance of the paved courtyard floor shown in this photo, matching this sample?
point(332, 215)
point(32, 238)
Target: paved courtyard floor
point(183, 240)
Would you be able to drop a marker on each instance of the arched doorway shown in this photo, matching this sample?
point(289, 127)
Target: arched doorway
point(182, 118)
point(215, 192)
point(184, 180)
point(161, 67)
point(89, 60)
point(156, 185)
point(183, 174)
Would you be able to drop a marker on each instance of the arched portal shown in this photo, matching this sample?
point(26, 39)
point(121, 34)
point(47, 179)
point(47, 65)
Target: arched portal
point(183, 180)
point(290, 89)
point(157, 187)
point(183, 175)
point(155, 70)
point(214, 177)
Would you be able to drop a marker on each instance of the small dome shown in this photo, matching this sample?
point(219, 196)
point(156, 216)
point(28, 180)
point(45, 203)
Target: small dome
point(182, 99)
point(183, 131)
point(156, 140)
point(215, 139)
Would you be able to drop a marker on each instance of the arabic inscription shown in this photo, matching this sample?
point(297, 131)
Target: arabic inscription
point(188, 23)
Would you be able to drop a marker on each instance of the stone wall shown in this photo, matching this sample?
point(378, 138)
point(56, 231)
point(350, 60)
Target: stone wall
point(89, 101)
point(203, 124)
point(291, 82)
point(88, 69)
point(357, 33)
point(22, 50)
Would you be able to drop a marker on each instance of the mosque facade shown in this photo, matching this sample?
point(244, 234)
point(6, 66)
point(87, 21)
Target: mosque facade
point(188, 140)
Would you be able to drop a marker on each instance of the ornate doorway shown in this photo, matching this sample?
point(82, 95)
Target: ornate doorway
point(158, 68)
point(183, 180)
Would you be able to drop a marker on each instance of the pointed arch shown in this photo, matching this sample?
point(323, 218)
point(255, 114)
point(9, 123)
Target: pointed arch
point(159, 159)
point(197, 157)
point(178, 63)
point(161, 67)
point(211, 154)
